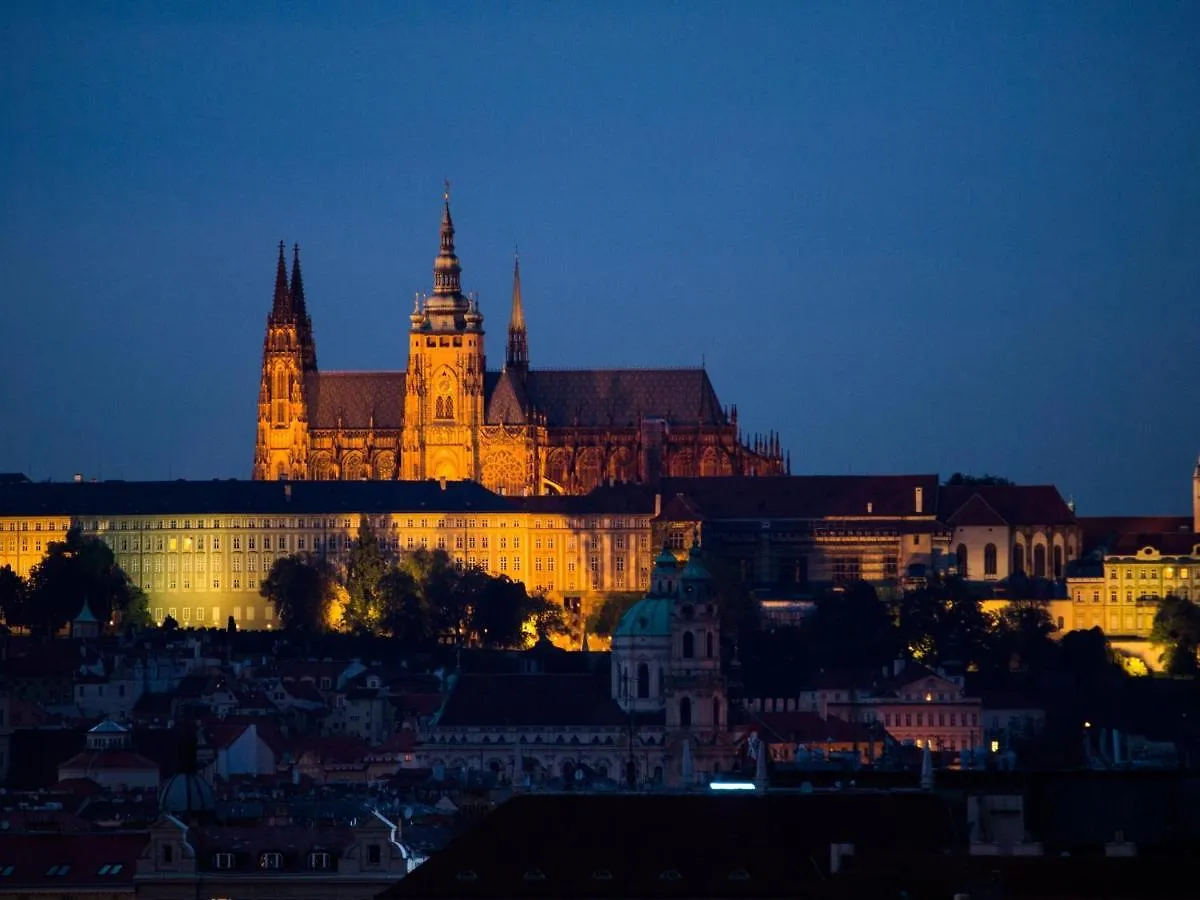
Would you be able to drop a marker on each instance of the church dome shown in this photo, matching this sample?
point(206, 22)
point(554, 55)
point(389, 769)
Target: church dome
point(694, 570)
point(187, 794)
point(650, 617)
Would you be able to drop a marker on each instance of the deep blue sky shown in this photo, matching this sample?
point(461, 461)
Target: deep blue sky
point(911, 237)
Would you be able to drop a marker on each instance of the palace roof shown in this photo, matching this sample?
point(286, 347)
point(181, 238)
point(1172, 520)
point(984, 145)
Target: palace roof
point(531, 701)
point(1014, 504)
point(799, 496)
point(233, 497)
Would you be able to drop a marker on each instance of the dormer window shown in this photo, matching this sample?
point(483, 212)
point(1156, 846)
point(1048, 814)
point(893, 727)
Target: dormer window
point(318, 860)
point(374, 854)
point(270, 861)
point(223, 860)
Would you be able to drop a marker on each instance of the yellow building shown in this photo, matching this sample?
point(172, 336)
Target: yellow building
point(520, 431)
point(200, 549)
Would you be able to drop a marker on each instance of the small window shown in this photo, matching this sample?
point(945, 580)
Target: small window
point(224, 860)
point(168, 853)
point(270, 861)
point(374, 854)
point(318, 860)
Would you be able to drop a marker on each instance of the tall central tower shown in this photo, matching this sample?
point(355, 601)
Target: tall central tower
point(444, 384)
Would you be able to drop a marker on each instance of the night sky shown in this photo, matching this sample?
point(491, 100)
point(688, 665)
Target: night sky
point(920, 237)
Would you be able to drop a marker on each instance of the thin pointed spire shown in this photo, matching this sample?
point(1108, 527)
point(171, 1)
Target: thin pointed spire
point(447, 274)
point(297, 286)
point(282, 305)
point(308, 346)
point(518, 341)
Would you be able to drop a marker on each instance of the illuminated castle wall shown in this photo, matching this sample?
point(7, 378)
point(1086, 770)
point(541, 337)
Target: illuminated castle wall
point(519, 431)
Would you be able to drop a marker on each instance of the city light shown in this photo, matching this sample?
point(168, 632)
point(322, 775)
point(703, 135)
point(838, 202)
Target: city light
point(732, 786)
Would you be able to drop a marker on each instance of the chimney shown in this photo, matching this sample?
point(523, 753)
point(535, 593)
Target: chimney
point(870, 507)
point(287, 492)
point(919, 500)
point(442, 482)
point(657, 505)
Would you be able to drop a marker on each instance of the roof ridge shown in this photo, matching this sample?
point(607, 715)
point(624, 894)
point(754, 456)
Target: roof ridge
point(619, 369)
point(361, 372)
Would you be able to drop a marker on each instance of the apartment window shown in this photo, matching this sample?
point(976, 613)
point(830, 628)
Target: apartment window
point(504, 564)
point(516, 564)
point(483, 542)
point(216, 584)
point(549, 543)
point(374, 854)
point(270, 861)
point(216, 543)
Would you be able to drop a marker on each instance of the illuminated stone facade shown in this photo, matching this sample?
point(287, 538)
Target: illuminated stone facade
point(200, 549)
point(519, 431)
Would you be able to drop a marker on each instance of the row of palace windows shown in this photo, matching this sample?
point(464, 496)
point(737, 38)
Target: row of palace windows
point(1018, 561)
point(891, 720)
point(1167, 572)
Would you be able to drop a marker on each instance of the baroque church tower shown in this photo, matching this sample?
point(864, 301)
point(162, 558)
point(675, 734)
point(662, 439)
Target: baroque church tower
point(444, 384)
point(666, 665)
point(289, 353)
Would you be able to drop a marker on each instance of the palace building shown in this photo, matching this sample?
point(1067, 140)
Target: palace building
point(521, 431)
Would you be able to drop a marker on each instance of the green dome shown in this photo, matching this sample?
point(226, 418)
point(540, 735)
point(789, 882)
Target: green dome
point(650, 617)
point(666, 559)
point(694, 570)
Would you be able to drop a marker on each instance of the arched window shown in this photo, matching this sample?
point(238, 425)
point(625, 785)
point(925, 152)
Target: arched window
point(643, 685)
point(989, 559)
point(1039, 561)
point(961, 554)
point(689, 645)
point(685, 712)
point(716, 712)
point(709, 645)
point(1018, 562)
point(1058, 562)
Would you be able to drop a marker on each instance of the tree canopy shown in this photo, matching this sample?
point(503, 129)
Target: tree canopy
point(414, 599)
point(958, 478)
point(1177, 627)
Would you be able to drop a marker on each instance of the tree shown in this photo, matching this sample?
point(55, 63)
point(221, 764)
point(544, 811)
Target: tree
point(408, 615)
point(230, 625)
point(852, 626)
point(366, 565)
point(442, 589)
point(606, 616)
point(301, 589)
point(1177, 628)
point(137, 609)
point(958, 478)
point(1023, 632)
point(499, 610)
point(943, 621)
point(75, 569)
point(169, 624)
point(12, 597)
point(549, 618)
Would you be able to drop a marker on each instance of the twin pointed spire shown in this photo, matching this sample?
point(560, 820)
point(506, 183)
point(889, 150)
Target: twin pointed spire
point(282, 307)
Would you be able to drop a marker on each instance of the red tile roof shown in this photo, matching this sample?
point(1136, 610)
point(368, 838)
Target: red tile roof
point(1016, 504)
point(108, 760)
point(1170, 544)
point(803, 496)
point(1102, 532)
point(801, 728)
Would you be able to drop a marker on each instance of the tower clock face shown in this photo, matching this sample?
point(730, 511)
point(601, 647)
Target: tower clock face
point(444, 384)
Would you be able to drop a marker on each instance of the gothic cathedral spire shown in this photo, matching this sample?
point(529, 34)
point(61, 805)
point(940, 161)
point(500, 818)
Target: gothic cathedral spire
point(447, 274)
point(518, 344)
point(282, 307)
point(308, 346)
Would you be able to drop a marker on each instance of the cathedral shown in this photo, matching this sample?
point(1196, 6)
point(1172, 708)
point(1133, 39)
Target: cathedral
point(521, 431)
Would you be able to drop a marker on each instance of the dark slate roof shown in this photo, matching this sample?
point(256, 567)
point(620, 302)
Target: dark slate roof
point(679, 845)
point(1016, 504)
point(802, 496)
point(620, 397)
point(63, 864)
point(531, 700)
point(1102, 532)
point(355, 396)
point(1172, 543)
point(508, 403)
point(975, 512)
point(618, 499)
point(13, 478)
point(113, 498)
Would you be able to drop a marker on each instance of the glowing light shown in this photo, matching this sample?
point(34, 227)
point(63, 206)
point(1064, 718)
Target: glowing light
point(1087, 724)
point(995, 746)
point(732, 786)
